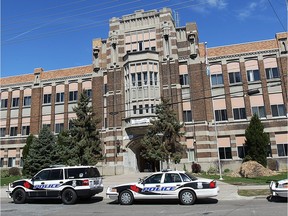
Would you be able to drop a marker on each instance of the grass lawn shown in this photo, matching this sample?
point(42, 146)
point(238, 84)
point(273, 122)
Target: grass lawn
point(245, 181)
point(6, 180)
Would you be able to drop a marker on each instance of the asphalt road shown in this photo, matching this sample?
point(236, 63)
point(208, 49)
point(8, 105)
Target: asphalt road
point(104, 207)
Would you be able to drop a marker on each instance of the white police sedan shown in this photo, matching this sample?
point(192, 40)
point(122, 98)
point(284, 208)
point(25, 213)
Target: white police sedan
point(165, 185)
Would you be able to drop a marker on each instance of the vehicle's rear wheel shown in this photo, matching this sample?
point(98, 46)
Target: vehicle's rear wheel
point(187, 197)
point(126, 198)
point(69, 196)
point(19, 196)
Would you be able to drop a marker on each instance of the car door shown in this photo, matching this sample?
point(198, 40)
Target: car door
point(39, 184)
point(151, 187)
point(171, 182)
point(54, 181)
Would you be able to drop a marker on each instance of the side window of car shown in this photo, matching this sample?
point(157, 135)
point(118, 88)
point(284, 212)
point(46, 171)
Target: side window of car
point(56, 174)
point(43, 175)
point(185, 177)
point(154, 179)
point(172, 177)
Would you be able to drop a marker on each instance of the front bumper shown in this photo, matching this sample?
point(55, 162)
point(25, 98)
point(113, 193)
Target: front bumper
point(112, 194)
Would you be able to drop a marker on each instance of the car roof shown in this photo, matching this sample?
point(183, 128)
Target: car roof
point(169, 171)
point(67, 167)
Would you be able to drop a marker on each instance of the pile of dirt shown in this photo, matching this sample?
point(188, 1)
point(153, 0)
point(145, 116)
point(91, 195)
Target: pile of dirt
point(252, 169)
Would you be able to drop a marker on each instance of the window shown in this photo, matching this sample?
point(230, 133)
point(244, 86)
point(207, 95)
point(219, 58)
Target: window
point(56, 174)
point(282, 149)
point(155, 78)
point(187, 116)
point(46, 125)
point(241, 151)
point(2, 132)
point(253, 75)
point(25, 130)
point(59, 127)
point(27, 101)
point(140, 109)
point(239, 113)
point(152, 108)
point(4, 103)
point(73, 96)
point(11, 162)
point(217, 79)
point(154, 179)
point(221, 115)
point(151, 78)
point(47, 99)
point(21, 162)
point(43, 175)
point(59, 97)
point(105, 88)
point(15, 102)
point(278, 110)
point(145, 76)
point(133, 78)
point(272, 73)
point(147, 108)
point(225, 153)
point(13, 131)
point(260, 111)
point(184, 79)
point(191, 155)
point(172, 177)
point(139, 79)
point(134, 110)
point(1, 162)
point(89, 93)
point(235, 77)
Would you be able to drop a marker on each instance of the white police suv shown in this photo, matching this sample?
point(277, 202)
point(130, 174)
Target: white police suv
point(67, 183)
point(165, 185)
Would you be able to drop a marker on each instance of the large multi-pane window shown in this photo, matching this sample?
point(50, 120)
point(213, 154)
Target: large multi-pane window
point(260, 111)
point(239, 113)
point(27, 101)
point(59, 127)
point(59, 97)
point(89, 93)
point(73, 95)
point(241, 151)
point(235, 77)
point(187, 116)
point(221, 115)
point(140, 40)
point(278, 110)
point(15, 102)
point(253, 75)
point(11, 162)
point(13, 131)
point(225, 153)
point(4, 103)
point(2, 132)
point(25, 130)
point(191, 155)
point(272, 73)
point(217, 79)
point(282, 149)
point(184, 79)
point(47, 99)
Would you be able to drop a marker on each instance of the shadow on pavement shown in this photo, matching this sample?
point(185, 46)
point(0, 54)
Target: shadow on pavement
point(168, 202)
point(277, 199)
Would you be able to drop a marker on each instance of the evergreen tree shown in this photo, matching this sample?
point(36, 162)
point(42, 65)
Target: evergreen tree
point(161, 142)
point(84, 145)
point(25, 152)
point(42, 152)
point(257, 141)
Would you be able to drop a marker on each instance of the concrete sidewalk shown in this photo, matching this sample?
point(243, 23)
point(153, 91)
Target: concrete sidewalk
point(227, 191)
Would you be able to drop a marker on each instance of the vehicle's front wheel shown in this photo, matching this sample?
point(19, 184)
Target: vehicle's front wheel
point(19, 196)
point(187, 197)
point(69, 196)
point(126, 198)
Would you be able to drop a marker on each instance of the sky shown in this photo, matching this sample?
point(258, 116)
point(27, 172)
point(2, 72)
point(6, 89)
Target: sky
point(57, 34)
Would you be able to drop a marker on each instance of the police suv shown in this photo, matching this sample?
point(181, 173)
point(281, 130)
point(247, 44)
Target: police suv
point(67, 183)
point(165, 185)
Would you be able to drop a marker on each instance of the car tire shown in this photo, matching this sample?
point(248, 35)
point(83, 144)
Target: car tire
point(69, 196)
point(19, 196)
point(126, 198)
point(187, 197)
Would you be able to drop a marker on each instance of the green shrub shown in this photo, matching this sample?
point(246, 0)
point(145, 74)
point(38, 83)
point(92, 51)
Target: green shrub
point(272, 164)
point(14, 171)
point(226, 170)
point(4, 173)
point(212, 170)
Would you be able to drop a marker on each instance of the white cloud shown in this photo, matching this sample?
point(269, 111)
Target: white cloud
point(249, 10)
point(220, 4)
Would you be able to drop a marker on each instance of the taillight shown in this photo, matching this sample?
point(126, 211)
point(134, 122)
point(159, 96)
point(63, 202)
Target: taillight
point(212, 184)
point(85, 182)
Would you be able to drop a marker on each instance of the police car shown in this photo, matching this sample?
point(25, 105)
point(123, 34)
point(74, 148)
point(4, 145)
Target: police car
point(165, 185)
point(67, 183)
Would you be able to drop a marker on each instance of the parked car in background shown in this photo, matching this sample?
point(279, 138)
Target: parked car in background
point(165, 185)
point(67, 183)
point(279, 188)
